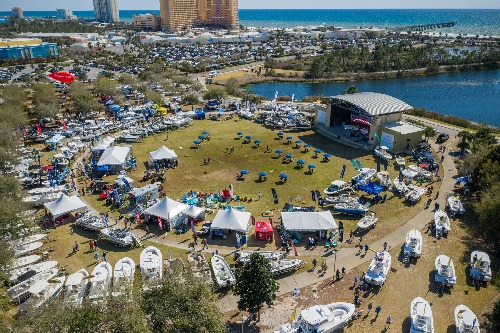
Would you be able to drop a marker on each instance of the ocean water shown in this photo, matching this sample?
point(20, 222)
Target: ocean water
point(470, 21)
point(470, 95)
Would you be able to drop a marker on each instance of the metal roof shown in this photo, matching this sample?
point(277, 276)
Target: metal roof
point(373, 103)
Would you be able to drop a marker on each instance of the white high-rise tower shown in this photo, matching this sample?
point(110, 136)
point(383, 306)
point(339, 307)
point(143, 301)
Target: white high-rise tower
point(106, 11)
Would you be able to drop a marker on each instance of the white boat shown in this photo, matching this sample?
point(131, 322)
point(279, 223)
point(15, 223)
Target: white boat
point(151, 266)
point(224, 277)
point(399, 186)
point(455, 206)
point(367, 222)
point(100, 282)
point(120, 237)
point(343, 198)
point(123, 277)
point(41, 190)
point(442, 222)
point(351, 208)
point(465, 320)
point(42, 292)
point(445, 270)
point(42, 198)
point(414, 193)
point(75, 288)
point(28, 239)
point(24, 261)
point(384, 179)
point(90, 222)
point(378, 269)
point(400, 161)
point(382, 152)
point(480, 266)
point(336, 187)
point(321, 318)
point(421, 316)
point(21, 250)
point(31, 270)
point(244, 256)
point(282, 266)
point(21, 290)
point(413, 243)
point(364, 176)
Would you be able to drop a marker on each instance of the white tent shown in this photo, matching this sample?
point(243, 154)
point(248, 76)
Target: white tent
point(162, 153)
point(167, 209)
point(119, 181)
point(195, 212)
point(232, 219)
point(64, 204)
point(113, 156)
point(105, 143)
point(308, 221)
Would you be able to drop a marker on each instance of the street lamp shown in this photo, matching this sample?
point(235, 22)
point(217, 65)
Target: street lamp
point(243, 319)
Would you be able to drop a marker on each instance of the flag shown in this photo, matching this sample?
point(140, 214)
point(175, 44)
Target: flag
point(275, 97)
point(343, 172)
point(192, 227)
point(137, 217)
point(354, 165)
point(160, 224)
point(231, 189)
point(293, 97)
point(313, 195)
point(39, 129)
point(378, 166)
point(378, 138)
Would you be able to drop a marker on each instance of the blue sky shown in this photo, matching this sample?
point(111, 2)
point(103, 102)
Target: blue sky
point(330, 4)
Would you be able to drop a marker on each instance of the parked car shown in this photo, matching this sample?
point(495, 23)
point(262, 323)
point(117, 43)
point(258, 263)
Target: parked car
point(442, 137)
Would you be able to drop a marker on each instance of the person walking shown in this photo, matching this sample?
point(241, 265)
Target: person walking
point(91, 245)
point(355, 281)
point(104, 256)
point(205, 244)
point(147, 231)
point(259, 195)
point(314, 262)
point(96, 257)
point(385, 246)
point(343, 271)
point(195, 237)
point(377, 311)
point(388, 322)
point(366, 248)
point(337, 275)
point(370, 306)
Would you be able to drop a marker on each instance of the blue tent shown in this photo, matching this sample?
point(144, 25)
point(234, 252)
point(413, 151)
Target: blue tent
point(307, 145)
point(327, 155)
point(318, 151)
point(283, 175)
point(248, 137)
point(244, 172)
point(262, 174)
point(301, 162)
point(371, 188)
point(298, 141)
point(288, 156)
point(289, 137)
point(205, 133)
point(239, 133)
point(311, 166)
point(280, 133)
point(197, 142)
point(257, 141)
point(278, 151)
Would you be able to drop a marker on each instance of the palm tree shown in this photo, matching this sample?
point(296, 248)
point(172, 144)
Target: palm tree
point(465, 142)
point(429, 133)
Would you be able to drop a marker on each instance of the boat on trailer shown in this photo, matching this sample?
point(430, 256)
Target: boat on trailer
point(465, 320)
point(480, 266)
point(76, 288)
point(421, 316)
point(378, 268)
point(123, 277)
point(445, 271)
point(413, 243)
point(382, 153)
point(224, 277)
point(151, 265)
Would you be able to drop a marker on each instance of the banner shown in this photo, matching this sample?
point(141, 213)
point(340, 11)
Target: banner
point(342, 173)
point(137, 218)
point(378, 166)
point(378, 138)
point(313, 195)
point(65, 126)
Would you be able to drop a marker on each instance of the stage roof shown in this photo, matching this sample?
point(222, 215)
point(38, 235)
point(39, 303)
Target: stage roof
point(372, 103)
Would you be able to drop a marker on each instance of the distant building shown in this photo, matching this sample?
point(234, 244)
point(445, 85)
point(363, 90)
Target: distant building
point(178, 14)
point(64, 14)
point(26, 48)
point(17, 12)
point(218, 13)
point(106, 11)
point(147, 22)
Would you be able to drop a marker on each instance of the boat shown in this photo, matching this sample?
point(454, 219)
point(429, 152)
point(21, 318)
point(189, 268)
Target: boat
point(413, 243)
point(21, 290)
point(421, 316)
point(382, 152)
point(321, 318)
point(378, 268)
point(343, 198)
point(244, 256)
point(21, 250)
point(282, 266)
point(367, 222)
point(123, 277)
point(224, 277)
point(400, 161)
point(465, 320)
point(336, 187)
point(455, 206)
point(42, 292)
point(445, 271)
point(42, 198)
point(31, 270)
point(151, 266)
point(28, 239)
point(399, 186)
point(365, 175)
point(119, 237)
point(414, 193)
point(24, 261)
point(480, 266)
point(100, 282)
point(351, 208)
point(91, 222)
point(76, 288)
point(442, 222)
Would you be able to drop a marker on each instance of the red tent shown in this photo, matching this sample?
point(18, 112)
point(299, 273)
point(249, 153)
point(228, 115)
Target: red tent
point(264, 231)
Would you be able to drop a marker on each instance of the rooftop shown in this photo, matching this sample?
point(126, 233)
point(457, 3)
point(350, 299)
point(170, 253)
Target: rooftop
point(403, 127)
point(373, 103)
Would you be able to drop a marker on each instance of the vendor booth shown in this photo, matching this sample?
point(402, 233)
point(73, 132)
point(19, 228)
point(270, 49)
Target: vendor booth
point(169, 210)
point(114, 158)
point(142, 195)
point(194, 213)
point(64, 205)
point(162, 154)
point(232, 219)
point(308, 221)
point(264, 231)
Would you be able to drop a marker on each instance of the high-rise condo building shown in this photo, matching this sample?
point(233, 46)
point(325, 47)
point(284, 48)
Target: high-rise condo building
point(64, 14)
point(218, 13)
point(106, 11)
point(17, 12)
point(178, 14)
point(145, 22)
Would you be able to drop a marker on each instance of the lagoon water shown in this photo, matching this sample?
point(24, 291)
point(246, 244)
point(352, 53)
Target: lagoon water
point(470, 95)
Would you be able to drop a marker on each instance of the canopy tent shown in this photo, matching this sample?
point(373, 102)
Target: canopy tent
point(263, 231)
point(308, 221)
point(64, 205)
point(105, 143)
point(167, 209)
point(232, 219)
point(119, 181)
point(162, 153)
point(371, 188)
point(114, 156)
point(195, 212)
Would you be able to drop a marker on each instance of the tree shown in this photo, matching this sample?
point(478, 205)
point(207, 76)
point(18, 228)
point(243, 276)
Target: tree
point(464, 144)
point(429, 132)
point(494, 322)
point(351, 90)
point(488, 210)
point(105, 86)
point(483, 138)
point(215, 94)
point(190, 99)
point(83, 101)
point(182, 305)
point(255, 285)
point(233, 87)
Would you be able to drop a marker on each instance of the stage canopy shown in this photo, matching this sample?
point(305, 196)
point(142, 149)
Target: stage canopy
point(162, 153)
point(232, 219)
point(308, 221)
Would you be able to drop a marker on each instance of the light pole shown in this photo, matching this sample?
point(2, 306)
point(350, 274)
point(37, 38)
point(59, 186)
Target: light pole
point(243, 319)
point(334, 261)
